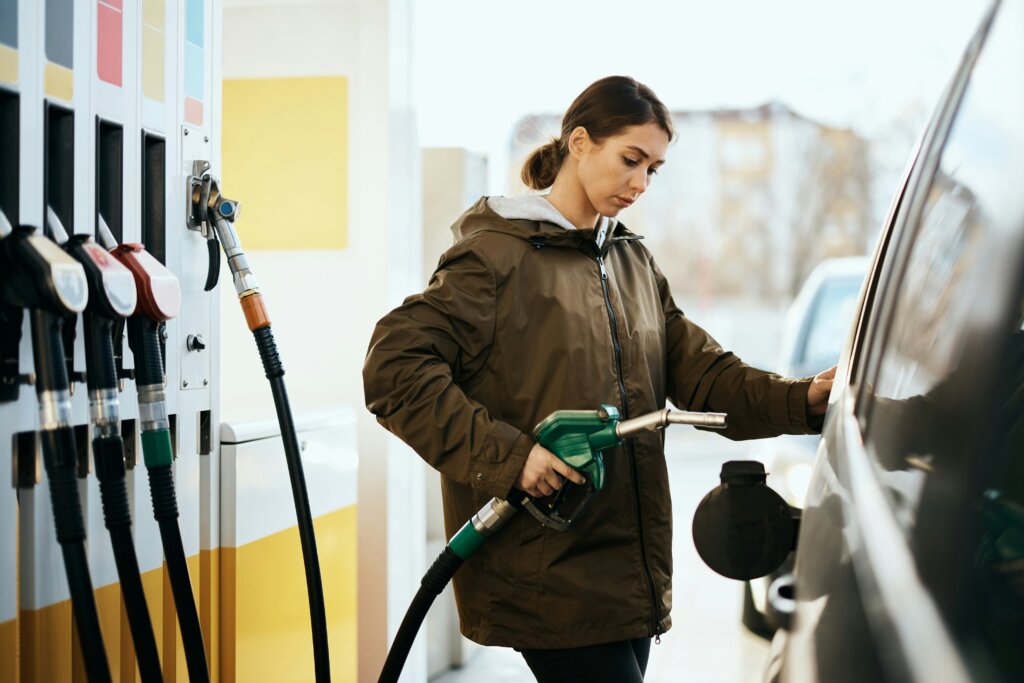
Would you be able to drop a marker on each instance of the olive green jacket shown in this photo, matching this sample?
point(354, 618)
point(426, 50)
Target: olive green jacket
point(517, 322)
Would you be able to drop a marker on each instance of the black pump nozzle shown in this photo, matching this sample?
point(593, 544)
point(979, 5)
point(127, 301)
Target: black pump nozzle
point(39, 276)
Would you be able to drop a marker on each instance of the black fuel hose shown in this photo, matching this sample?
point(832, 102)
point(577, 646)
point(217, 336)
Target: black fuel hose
point(165, 509)
point(144, 340)
point(108, 456)
point(314, 584)
point(60, 459)
point(431, 585)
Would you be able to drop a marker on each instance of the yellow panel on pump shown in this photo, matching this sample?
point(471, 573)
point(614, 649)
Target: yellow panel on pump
point(285, 158)
point(265, 631)
point(9, 650)
point(8, 64)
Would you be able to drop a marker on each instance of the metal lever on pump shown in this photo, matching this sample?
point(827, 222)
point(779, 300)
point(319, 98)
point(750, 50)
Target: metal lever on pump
point(214, 215)
point(39, 276)
point(201, 184)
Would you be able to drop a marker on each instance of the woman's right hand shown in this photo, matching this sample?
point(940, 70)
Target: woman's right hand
point(539, 476)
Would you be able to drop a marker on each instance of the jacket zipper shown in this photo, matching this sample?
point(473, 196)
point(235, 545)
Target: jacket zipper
point(629, 448)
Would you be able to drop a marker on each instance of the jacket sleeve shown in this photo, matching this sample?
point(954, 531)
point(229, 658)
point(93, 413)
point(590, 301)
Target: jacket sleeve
point(702, 376)
point(418, 354)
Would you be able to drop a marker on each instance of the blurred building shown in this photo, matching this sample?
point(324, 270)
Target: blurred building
point(749, 201)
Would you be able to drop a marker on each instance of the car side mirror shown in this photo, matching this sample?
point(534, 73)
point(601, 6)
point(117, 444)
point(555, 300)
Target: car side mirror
point(743, 529)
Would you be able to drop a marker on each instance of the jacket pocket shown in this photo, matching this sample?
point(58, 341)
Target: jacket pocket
point(529, 557)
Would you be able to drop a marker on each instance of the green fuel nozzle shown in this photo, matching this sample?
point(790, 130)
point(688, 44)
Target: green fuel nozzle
point(578, 437)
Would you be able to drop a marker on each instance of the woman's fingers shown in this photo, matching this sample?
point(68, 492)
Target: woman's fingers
point(542, 474)
point(569, 473)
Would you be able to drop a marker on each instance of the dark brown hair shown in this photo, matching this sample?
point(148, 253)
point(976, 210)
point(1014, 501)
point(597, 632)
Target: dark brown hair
point(604, 109)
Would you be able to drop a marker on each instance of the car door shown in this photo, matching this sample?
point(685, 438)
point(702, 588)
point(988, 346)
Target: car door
point(924, 449)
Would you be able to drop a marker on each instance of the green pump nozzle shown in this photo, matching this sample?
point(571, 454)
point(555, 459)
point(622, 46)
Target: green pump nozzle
point(578, 437)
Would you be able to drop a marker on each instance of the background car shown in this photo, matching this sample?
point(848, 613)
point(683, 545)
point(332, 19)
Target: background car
point(910, 555)
point(815, 329)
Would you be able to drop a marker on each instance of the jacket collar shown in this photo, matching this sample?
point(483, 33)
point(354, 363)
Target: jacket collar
point(482, 218)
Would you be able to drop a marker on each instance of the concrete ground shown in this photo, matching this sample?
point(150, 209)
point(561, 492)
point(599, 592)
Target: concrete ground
point(707, 642)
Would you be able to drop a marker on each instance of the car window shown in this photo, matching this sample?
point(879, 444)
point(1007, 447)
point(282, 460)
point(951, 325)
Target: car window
point(942, 407)
point(827, 325)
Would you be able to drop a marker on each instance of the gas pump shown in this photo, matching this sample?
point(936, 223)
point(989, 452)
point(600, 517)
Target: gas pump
point(42, 278)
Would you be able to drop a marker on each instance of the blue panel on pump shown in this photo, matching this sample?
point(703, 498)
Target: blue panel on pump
point(194, 22)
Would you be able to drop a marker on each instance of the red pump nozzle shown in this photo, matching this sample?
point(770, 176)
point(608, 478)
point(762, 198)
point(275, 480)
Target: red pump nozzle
point(159, 291)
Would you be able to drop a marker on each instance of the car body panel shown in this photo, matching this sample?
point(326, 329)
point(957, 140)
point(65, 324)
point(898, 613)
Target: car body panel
point(895, 574)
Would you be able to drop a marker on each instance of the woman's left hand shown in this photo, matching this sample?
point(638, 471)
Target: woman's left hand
point(817, 394)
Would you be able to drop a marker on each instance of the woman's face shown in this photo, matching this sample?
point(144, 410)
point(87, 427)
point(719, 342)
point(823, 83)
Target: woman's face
point(616, 171)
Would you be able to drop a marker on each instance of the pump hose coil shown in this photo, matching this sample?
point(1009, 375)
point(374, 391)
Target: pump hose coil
point(431, 585)
point(314, 583)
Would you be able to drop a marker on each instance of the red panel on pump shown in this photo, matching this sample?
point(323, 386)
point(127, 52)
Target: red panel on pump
point(109, 41)
point(159, 291)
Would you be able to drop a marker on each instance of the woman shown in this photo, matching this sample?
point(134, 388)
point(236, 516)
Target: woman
point(548, 303)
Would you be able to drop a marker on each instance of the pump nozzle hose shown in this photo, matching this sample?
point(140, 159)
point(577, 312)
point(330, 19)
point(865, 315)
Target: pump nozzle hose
point(58, 446)
point(274, 371)
point(108, 454)
point(433, 582)
point(218, 213)
point(112, 293)
point(156, 449)
point(660, 419)
point(159, 457)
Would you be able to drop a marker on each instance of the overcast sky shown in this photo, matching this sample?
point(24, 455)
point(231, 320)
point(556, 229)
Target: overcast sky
point(480, 65)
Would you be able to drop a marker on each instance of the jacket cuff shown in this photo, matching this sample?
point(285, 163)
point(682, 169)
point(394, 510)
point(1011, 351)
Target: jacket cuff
point(799, 420)
point(496, 479)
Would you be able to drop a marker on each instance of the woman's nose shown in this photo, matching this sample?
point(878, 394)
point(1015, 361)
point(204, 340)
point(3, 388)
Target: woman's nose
point(638, 183)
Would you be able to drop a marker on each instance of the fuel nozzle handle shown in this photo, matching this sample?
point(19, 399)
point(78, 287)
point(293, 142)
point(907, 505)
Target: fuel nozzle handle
point(216, 214)
point(659, 419)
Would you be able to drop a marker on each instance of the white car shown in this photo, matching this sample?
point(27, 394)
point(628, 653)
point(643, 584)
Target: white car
point(816, 326)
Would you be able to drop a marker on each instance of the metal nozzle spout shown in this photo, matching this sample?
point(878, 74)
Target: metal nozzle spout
point(686, 417)
point(660, 419)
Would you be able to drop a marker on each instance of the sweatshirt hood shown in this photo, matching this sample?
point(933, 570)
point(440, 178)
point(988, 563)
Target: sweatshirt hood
point(529, 217)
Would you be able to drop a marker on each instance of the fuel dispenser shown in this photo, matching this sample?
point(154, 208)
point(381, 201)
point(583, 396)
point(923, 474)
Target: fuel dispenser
point(109, 309)
point(98, 106)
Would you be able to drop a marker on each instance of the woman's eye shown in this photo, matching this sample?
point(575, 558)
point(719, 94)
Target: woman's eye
point(630, 162)
point(652, 171)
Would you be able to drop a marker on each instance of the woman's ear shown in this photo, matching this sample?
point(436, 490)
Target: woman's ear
point(579, 142)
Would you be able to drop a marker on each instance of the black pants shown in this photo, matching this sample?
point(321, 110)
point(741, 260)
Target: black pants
point(622, 662)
